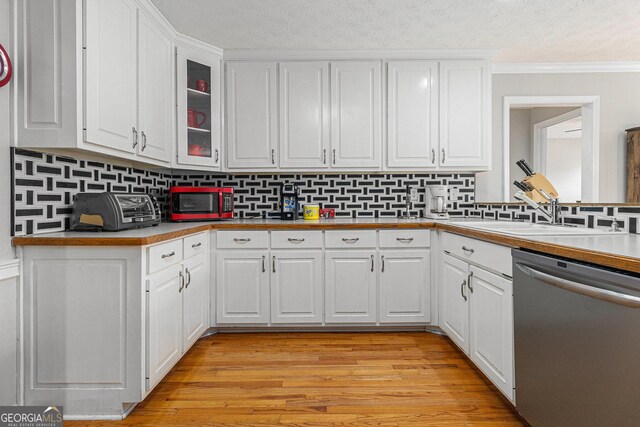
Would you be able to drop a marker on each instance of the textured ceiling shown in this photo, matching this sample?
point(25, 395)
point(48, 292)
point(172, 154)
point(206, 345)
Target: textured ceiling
point(523, 30)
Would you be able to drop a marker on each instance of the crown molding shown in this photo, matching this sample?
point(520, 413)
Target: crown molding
point(344, 54)
point(566, 67)
point(184, 40)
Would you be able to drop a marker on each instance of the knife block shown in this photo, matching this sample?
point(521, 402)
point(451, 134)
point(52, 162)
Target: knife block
point(633, 165)
point(539, 181)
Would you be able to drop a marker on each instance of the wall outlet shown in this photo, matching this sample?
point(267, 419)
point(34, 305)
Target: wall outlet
point(413, 195)
point(454, 192)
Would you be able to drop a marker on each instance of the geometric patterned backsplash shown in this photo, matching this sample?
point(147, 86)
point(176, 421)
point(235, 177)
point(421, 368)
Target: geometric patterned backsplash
point(44, 186)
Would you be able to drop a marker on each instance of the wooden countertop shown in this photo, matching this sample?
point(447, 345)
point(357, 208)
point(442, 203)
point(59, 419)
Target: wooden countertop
point(615, 250)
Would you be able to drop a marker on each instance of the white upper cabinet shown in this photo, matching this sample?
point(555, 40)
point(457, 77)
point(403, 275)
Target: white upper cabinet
point(199, 103)
point(111, 74)
point(251, 111)
point(356, 117)
point(155, 90)
point(412, 123)
point(304, 114)
point(464, 114)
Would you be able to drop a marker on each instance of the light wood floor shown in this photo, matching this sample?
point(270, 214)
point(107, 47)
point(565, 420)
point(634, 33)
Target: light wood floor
point(316, 379)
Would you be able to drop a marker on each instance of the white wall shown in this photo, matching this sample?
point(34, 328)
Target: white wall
point(619, 110)
point(520, 137)
point(6, 251)
point(564, 161)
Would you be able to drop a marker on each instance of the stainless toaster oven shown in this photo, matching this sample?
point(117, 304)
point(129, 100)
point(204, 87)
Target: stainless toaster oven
point(113, 211)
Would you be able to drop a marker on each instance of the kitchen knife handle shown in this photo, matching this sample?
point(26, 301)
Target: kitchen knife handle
point(525, 167)
point(521, 186)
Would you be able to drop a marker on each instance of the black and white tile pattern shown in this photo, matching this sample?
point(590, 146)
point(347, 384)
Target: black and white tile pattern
point(44, 186)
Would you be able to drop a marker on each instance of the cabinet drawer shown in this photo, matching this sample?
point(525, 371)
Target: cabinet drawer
point(296, 239)
point(485, 254)
point(164, 255)
point(405, 238)
point(350, 239)
point(240, 239)
point(195, 245)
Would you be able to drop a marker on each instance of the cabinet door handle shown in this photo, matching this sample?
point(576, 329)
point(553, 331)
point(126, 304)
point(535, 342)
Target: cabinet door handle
point(334, 156)
point(144, 140)
point(235, 239)
point(196, 245)
point(273, 263)
point(188, 277)
point(433, 156)
point(217, 155)
point(324, 156)
point(135, 137)
point(169, 255)
point(352, 240)
point(264, 269)
point(466, 249)
point(292, 240)
point(462, 285)
point(371, 262)
point(469, 277)
point(181, 277)
point(382, 259)
point(404, 239)
point(273, 156)
point(444, 157)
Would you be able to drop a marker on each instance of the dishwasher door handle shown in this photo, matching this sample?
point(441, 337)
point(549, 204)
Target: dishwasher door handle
point(580, 288)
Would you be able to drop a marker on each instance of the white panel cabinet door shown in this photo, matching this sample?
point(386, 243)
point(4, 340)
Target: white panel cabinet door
point(165, 323)
point(296, 287)
point(155, 91)
point(405, 286)
point(252, 130)
point(491, 321)
point(242, 287)
point(412, 114)
point(304, 114)
point(454, 307)
point(350, 286)
point(111, 74)
point(195, 299)
point(464, 114)
point(356, 115)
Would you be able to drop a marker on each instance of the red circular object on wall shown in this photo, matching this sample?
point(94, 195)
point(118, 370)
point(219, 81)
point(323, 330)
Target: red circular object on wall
point(5, 67)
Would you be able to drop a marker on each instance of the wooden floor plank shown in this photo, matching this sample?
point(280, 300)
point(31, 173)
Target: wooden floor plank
point(322, 379)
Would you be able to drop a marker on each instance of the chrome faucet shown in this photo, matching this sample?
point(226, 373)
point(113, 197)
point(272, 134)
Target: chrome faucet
point(552, 215)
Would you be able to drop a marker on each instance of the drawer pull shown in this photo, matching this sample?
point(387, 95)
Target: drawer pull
point(292, 240)
point(241, 240)
point(404, 239)
point(352, 240)
point(466, 249)
point(168, 255)
point(196, 245)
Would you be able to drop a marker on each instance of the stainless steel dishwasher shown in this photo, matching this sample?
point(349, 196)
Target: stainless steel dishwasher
point(577, 342)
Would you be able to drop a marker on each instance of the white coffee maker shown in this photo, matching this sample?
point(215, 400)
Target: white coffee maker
point(437, 198)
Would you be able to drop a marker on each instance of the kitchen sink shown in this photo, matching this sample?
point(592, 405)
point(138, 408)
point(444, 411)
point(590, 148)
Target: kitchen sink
point(532, 229)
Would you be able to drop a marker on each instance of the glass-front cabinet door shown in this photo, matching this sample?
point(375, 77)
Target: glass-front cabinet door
point(199, 131)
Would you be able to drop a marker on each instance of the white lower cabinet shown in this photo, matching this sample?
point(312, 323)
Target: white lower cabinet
point(195, 299)
point(476, 309)
point(296, 287)
point(350, 286)
point(164, 345)
point(491, 327)
point(405, 286)
point(242, 286)
point(454, 312)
